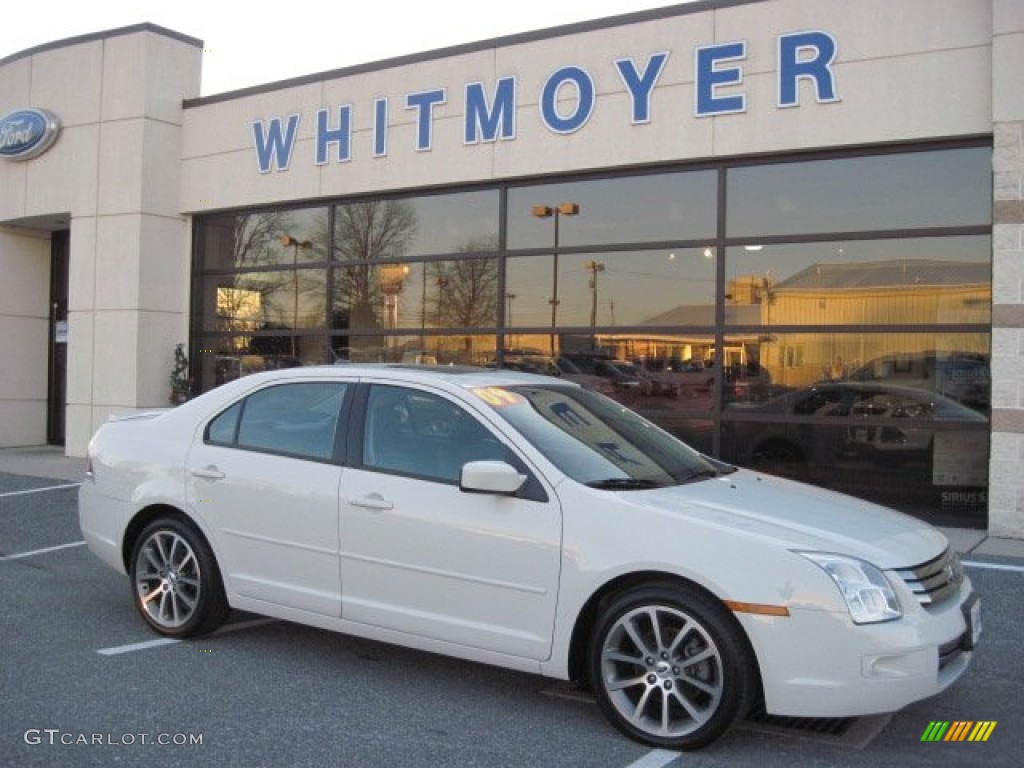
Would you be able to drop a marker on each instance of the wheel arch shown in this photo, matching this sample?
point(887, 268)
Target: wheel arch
point(147, 515)
point(587, 617)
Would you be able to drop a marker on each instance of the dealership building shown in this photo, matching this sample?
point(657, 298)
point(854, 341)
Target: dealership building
point(802, 221)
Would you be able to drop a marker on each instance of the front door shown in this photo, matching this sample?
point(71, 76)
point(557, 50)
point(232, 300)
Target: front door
point(422, 557)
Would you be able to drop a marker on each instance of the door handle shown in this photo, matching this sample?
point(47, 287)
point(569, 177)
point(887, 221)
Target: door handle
point(209, 472)
point(372, 501)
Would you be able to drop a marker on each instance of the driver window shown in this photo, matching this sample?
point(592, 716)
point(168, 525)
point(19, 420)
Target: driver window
point(411, 432)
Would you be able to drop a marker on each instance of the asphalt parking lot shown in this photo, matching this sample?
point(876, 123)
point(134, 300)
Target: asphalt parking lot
point(84, 682)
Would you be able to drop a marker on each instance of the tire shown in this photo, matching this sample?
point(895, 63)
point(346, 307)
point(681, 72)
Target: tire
point(175, 583)
point(670, 667)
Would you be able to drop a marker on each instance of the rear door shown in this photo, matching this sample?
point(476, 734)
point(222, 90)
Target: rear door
point(264, 479)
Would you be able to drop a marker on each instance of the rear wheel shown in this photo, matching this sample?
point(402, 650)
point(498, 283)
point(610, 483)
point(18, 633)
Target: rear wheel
point(175, 582)
point(669, 666)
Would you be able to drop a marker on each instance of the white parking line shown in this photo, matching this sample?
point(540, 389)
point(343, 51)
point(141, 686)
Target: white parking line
point(994, 566)
point(655, 759)
point(137, 646)
point(35, 552)
point(159, 642)
point(39, 490)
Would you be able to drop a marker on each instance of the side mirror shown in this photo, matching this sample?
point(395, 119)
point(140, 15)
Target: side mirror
point(490, 477)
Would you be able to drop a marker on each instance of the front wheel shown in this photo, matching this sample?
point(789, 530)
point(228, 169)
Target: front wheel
point(669, 666)
point(175, 582)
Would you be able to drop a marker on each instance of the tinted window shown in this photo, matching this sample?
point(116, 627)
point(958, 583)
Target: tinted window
point(436, 224)
point(917, 189)
point(265, 239)
point(632, 209)
point(417, 433)
point(295, 419)
point(222, 429)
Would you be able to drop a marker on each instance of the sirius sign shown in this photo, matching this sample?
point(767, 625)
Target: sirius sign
point(27, 133)
point(566, 102)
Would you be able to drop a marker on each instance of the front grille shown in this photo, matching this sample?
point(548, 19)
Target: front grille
point(934, 581)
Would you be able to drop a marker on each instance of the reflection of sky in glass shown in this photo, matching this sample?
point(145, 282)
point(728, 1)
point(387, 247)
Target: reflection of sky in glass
point(454, 223)
point(922, 189)
point(782, 262)
point(306, 225)
point(653, 208)
point(632, 288)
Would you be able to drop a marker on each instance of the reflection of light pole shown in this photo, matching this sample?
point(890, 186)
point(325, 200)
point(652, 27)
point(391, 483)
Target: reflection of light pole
point(546, 212)
point(289, 241)
point(442, 283)
point(509, 298)
point(593, 267)
point(391, 277)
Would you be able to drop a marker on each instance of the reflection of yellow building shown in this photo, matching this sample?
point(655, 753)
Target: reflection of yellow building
point(238, 309)
point(916, 292)
point(862, 305)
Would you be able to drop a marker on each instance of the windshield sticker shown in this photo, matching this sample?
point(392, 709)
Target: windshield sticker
point(613, 450)
point(496, 397)
point(569, 415)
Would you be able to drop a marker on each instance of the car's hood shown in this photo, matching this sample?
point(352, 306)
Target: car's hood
point(799, 516)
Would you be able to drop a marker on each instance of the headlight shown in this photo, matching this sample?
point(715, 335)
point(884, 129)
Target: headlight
point(864, 587)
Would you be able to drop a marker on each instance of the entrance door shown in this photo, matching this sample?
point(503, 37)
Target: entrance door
point(58, 381)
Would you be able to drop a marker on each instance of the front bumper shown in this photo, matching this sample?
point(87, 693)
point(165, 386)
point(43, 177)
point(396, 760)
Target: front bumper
point(818, 663)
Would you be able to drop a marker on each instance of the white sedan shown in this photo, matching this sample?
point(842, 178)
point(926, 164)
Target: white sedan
point(527, 522)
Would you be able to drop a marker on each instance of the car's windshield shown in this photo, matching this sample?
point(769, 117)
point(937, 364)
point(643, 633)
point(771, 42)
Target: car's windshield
point(596, 441)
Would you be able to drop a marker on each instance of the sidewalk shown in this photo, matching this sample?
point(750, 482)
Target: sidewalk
point(50, 462)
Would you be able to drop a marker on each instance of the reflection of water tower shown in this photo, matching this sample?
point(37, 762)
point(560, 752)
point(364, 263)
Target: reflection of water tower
point(391, 277)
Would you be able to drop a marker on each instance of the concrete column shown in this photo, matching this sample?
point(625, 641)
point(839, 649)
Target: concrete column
point(1006, 470)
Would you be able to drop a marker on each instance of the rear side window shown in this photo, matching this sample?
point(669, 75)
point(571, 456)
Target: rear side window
point(224, 428)
point(299, 419)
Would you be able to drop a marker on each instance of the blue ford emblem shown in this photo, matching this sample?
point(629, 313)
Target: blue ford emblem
point(26, 133)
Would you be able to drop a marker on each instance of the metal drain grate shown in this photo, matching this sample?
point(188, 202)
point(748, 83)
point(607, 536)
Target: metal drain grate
point(850, 732)
point(829, 726)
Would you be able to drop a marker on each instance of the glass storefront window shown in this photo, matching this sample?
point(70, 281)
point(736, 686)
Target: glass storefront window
point(898, 418)
point(844, 341)
point(953, 365)
point(267, 239)
point(912, 190)
point(636, 209)
point(656, 288)
point(225, 358)
point(403, 228)
point(868, 282)
point(268, 301)
point(426, 295)
point(416, 349)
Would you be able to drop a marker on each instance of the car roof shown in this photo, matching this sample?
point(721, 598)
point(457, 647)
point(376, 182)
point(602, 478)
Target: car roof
point(461, 376)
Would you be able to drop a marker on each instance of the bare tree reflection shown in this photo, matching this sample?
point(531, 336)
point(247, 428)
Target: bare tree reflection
point(368, 232)
point(466, 290)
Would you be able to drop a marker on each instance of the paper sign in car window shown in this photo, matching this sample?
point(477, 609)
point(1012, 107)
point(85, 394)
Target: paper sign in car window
point(496, 397)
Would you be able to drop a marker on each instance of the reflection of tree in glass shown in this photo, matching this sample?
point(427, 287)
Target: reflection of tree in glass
point(366, 232)
point(254, 243)
point(256, 240)
point(466, 289)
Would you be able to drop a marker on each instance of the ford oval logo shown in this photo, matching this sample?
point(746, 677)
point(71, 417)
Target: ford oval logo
point(26, 133)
